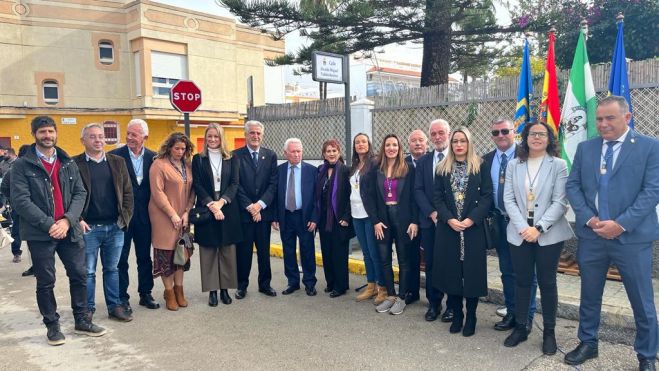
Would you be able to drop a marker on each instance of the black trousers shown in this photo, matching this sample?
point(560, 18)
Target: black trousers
point(254, 234)
point(335, 260)
point(395, 233)
point(414, 259)
point(543, 260)
point(140, 235)
point(72, 255)
point(15, 234)
point(455, 302)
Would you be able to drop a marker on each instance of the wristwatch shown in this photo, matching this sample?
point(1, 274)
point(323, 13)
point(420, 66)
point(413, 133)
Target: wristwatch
point(539, 228)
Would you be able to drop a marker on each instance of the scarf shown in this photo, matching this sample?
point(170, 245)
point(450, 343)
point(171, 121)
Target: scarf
point(331, 182)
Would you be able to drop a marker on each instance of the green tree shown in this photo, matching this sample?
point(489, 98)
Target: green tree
point(641, 26)
point(454, 33)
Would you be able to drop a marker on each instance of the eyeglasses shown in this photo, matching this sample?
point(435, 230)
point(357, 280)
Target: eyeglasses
point(495, 133)
point(538, 134)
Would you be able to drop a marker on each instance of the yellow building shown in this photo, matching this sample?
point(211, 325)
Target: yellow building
point(108, 61)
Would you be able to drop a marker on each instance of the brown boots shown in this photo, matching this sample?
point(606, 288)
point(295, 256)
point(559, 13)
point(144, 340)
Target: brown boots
point(180, 298)
point(170, 300)
point(369, 292)
point(381, 295)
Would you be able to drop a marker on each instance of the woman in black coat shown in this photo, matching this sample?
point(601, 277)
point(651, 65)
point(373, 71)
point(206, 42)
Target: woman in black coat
point(215, 181)
point(333, 208)
point(395, 218)
point(463, 196)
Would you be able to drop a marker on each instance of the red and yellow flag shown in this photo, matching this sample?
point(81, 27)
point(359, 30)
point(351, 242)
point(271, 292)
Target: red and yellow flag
point(550, 112)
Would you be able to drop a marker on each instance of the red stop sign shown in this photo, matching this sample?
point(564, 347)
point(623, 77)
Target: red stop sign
point(185, 96)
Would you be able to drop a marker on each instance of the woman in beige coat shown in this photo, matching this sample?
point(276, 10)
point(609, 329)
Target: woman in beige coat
point(172, 197)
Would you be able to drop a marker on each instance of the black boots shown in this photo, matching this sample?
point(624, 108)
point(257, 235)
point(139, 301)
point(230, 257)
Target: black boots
point(224, 296)
point(549, 342)
point(212, 298)
point(518, 335)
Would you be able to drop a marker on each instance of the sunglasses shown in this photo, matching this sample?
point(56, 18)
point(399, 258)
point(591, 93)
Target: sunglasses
point(495, 133)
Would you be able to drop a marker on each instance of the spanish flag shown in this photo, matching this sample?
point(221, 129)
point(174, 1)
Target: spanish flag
point(550, 112)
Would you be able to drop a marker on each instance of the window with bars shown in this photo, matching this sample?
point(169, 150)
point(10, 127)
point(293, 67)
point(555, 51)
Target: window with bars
point(111, 132)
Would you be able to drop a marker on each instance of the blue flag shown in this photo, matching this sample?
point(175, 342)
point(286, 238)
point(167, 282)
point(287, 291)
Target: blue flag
point(524, 93)
point(618, 83)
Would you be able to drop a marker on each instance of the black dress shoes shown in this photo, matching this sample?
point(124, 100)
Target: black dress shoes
point(448, 316)
point(327, 289)
point(290, 289)
point(433, 312)
point(581, 354)
point(127, 308)
point(268, 291)
point(146, 300)
point(456, 323)
point(212, 298)
point(310, 290)
point(240, 293)
point(411, 298)
point(224, 297)
point(28, 272)
point(507, 322)
point(646, 365)
point(336, 294)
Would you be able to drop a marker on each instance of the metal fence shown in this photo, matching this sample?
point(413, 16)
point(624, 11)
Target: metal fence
point(473, 105)
point(312, 122)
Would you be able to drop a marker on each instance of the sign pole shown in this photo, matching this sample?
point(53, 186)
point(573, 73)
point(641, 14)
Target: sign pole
point(186, 123)
point(346, 85)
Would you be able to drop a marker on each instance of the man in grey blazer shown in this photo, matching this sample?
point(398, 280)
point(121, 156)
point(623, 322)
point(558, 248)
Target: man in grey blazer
point(614, 189)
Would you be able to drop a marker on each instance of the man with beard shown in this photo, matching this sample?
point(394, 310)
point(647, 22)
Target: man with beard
point(47, 192)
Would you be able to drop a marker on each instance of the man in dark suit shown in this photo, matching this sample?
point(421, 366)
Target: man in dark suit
point(138, 161)
point(613, 189)
point(295, 217)
point(503, 136)
point(256, 192)
point(423, 193)
point(418, 146)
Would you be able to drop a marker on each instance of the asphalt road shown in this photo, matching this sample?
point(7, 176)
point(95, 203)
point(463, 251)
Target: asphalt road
point(294, 332)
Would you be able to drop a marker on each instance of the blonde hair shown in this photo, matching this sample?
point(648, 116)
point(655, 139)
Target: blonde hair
point(223, 148)
point(473, 160)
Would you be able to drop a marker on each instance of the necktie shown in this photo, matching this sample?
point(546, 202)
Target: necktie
point(255, 158)
point(414, 162)
point(290, 191)
point(603, 190)
point(502, 176)
point(440, 157)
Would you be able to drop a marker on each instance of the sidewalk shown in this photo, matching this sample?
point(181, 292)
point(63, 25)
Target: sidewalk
point(616, 310)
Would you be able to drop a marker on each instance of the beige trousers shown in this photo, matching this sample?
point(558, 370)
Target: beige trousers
point(218, 268)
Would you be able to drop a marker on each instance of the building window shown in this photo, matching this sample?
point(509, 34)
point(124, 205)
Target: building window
point(162, 85)
point(111, 132)
point(106, 52)
point(166, 70)
point(50, 92)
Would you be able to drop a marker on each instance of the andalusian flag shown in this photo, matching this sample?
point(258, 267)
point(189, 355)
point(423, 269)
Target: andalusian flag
point(524, 93)
point(549, 106)
point(618, 83)
point(578, 115)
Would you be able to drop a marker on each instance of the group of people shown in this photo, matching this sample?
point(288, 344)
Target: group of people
point(449, 203)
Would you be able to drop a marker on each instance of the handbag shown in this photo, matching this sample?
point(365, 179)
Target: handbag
point(492, 231)
point(184, 248)
point(200, 215)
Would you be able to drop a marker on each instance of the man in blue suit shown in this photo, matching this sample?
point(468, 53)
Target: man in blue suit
point(614, 189)
point(295, 217)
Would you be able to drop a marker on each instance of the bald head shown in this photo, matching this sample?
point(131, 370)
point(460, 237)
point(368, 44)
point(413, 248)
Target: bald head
point(418, 143)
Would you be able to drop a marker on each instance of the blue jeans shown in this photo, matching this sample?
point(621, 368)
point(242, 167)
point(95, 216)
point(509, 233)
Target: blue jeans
point(109, 239)
point(366, 238)
point(508, 273)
